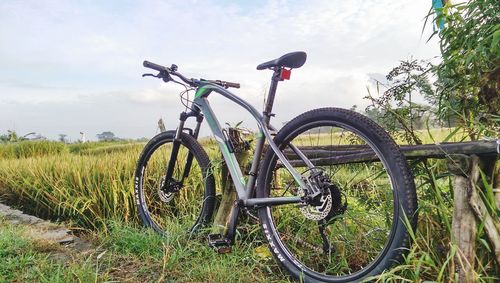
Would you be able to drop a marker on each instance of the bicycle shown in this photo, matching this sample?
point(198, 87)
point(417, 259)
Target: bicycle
point(334, 195)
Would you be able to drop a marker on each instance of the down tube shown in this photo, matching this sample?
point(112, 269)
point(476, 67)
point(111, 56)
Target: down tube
point(232, 163)
point(202, 102)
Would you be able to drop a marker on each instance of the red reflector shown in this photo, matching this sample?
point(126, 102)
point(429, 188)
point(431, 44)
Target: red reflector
point(285, 74)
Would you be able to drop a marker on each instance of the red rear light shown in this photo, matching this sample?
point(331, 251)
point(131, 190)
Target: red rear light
point(285, 74)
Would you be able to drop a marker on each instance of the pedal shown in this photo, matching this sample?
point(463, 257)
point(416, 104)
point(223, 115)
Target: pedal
point(219, 243)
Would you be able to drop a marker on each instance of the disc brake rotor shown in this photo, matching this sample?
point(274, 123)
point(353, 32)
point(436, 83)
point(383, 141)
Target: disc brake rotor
point(320, 211)
point(165, 197)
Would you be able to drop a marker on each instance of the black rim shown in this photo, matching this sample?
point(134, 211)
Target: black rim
point(200, 217)
point(390, 237)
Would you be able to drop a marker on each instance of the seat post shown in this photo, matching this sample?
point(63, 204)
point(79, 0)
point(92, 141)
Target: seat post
point(270, 96)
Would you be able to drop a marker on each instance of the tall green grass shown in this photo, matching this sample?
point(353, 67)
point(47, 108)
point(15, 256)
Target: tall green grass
point(89, 183)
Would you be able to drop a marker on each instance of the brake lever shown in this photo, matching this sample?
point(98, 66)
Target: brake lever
point(161, 75)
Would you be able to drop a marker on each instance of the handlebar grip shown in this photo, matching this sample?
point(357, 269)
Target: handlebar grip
point(153, 66)
point(230, 84)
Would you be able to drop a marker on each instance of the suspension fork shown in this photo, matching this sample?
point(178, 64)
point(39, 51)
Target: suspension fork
point(189, 159)
point(177, 143)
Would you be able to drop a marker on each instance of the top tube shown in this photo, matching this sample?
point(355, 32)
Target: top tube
point(206, 89)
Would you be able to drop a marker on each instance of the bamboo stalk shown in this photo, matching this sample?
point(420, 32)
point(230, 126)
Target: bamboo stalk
point(480, 210)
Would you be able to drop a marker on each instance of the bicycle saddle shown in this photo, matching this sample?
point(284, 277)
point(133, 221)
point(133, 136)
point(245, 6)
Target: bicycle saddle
point(290, 60)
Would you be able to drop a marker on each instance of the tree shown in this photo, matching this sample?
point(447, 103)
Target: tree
point(62, 138)
point(107, 136)
point(468, 88)
point(4, 138)
point(396, 109)
point(469, 75)
point(12, 136)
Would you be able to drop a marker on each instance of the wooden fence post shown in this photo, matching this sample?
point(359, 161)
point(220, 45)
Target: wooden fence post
point(463, 222)
point(468, 209)
point(161, 126)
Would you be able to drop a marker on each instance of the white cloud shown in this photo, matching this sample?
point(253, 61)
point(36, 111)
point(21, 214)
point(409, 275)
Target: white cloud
point(77, 54)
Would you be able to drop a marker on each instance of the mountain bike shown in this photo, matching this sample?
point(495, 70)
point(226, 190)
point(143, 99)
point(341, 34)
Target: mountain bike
point(334, 195)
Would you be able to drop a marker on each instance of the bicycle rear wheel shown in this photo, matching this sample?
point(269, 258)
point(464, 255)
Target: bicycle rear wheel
point(186, 200)
point(356, 227)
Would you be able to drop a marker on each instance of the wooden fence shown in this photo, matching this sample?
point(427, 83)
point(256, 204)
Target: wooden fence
point(465, 161)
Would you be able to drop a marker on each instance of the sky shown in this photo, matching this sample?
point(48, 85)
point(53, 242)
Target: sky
point(75, 66)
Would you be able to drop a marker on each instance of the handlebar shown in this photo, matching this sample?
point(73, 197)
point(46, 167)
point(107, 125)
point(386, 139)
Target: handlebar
point(225, 84)
point(165, 73)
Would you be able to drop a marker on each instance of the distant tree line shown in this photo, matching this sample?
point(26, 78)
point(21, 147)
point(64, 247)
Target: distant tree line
point(12, 136)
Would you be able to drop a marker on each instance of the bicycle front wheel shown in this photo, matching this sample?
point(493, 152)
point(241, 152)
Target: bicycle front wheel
point(184, 201)
point(357, 227)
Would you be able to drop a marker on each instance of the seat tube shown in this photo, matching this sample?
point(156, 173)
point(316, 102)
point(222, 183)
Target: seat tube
point(270, 97)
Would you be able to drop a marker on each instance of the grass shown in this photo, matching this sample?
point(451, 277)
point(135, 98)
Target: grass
point(105, 148)
point(181, 258)
point(25, 149)
point(26, 260)
point(83, 147)
point(85, 188)
point(91, 185)
point(132, 254)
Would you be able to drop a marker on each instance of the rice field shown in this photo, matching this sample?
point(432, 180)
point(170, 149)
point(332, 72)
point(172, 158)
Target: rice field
point(91, 184)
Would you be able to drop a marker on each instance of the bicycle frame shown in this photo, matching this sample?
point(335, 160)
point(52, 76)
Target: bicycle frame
point(245, 190)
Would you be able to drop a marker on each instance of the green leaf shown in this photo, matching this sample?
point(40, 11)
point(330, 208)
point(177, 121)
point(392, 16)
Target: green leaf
point(452, 134)
point(485, 244)
point(496, 39)
point(263, 251)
